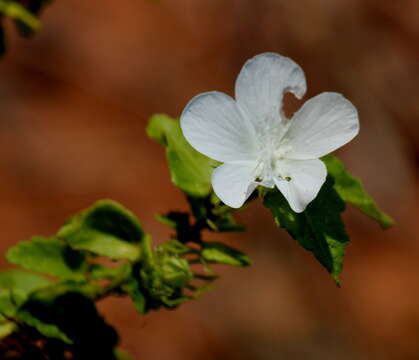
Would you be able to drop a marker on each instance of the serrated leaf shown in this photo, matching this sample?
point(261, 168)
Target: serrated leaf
point(318, 229)
point(190, 170)
point(219, 253)
point(106, 229)
point(50, 256)
point(352, 191)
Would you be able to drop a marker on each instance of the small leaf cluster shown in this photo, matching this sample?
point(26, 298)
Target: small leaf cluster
point(47, 307)
point(25, 15)
point(319, 229)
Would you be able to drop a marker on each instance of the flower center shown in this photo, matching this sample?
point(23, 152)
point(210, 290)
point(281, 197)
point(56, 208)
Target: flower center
point(273, 148)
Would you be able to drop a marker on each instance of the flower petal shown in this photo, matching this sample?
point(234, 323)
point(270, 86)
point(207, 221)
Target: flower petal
point(233, 183)
point(213, 125)
point(307, 177)
point(262, 82)
point(323, 124)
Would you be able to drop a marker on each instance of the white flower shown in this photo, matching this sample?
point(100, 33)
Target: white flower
point(257, 143)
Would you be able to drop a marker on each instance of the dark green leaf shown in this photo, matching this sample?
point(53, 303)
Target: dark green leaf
point(70, 316)
point(217, 216)
point(219, 253)
point(44, 328)
point(351, 190)
point(107, 229)
point(185, 231)
point(318, 229)
point(189, 169)
point(50, 256)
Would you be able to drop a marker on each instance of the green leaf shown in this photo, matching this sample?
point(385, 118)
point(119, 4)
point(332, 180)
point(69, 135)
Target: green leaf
point(7, 328)
point(106, 229)
point(8, 310)
point(50, 256)
point(46, 329)
point(190, 170)
point(133, 290)
point(7, 305)
point(103, 272)
point(21, 280)
point(217, 216)
point(174, 247)
point(15, 285)
point(63, 312)
point(219, 253)
point(225, 223)
point(352, 191)
point(318, 229)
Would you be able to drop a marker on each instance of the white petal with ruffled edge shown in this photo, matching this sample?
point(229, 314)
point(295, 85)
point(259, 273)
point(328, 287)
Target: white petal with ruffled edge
point(307, 177)
point(262, 82)
point(213, 125)
point(323, 124)
point(234, 183)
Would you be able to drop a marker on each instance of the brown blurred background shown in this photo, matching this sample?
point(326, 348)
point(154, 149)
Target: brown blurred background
point(74, 105)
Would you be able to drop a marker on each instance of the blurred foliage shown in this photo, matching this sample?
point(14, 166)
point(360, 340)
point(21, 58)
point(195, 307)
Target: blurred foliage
point(57, 318)
point(24, 13)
